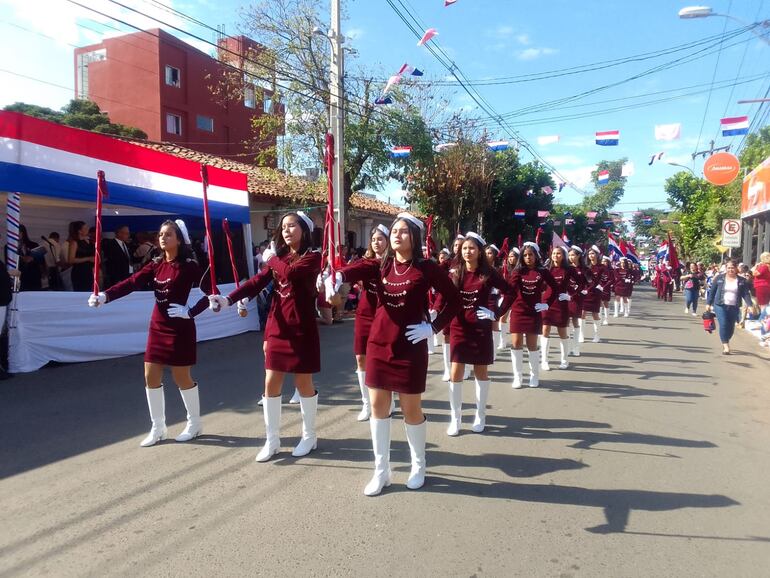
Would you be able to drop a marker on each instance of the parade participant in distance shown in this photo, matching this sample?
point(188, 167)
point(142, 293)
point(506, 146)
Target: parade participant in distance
point(171, 341)
point(509, 266)
point(291, 333)
point(593, 299)
point(623, 285)
point(607, 283)
point(396, 353)
point(437, 304)
point(582, 280)
point(529, 282)
point(472, 328)
point(569, 283)
point(491, 253)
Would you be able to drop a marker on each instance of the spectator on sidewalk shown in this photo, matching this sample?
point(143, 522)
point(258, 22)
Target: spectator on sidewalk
point(117, 258)
point(727, 293)
point(761, 273)
point(692, 281)
point(81, 256)
point(53, 261)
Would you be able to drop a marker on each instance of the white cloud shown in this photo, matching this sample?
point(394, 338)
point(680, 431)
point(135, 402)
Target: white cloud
point(523, 39)
point(503, 31)
point(577, 141)
point(564, 160)
point(354, 33)
point(580, 176)
point(533, 53)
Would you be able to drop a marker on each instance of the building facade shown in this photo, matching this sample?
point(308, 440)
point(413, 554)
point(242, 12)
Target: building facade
point(175, 93)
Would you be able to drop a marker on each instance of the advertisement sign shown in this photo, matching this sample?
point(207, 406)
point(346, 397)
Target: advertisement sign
point(721, 168)
point(756, 191)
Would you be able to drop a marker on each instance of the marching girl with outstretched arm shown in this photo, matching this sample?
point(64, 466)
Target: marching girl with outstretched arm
point(530, 280)
point(593, 299)
point(379, 249)
point(291, 337)
point(582, 279)
point(623, 286)
point(472, 328)
point(509, 265)
point(607, 283)
point(171, 340)
point(397, 353)
point(569, 284)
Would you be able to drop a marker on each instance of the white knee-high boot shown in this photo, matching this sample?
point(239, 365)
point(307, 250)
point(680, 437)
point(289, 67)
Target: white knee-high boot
point(192, 404)
point(482, 394)
point(415, 435)
point(309, 442)
point(467, 372)
point(456, 407)
point(366, 409)
point(380, 429)
point(564, 348)
point(517, 362)
point(545, 342)
point(501, 342)
point(615, 314)
point(271, 408)
point(495, 341)
point(581, 333)
point(295, 397)
point(534, 368)
point(596, 332)
point(445, 351)
point(628, 308)
point(605, 315)
point(156, 402)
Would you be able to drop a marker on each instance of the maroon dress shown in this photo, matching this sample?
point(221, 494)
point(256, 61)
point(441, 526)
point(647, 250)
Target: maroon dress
point(607, 283)
point(367, 306)
point(471, 338)
point(436, 301)
point(291, 331)
point(392, 362)
point(623, 282)
point(170, 340)
point(567, 281)
point(578, 284)
point(529, 286)
point(593, 301)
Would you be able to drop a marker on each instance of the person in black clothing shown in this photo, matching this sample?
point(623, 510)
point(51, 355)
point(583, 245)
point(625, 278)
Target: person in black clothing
point(117, 257)
point(6, 296)
point(30, 262)
point(81, 257)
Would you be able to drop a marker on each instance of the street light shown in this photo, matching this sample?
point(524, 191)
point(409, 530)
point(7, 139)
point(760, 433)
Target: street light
point(691, 12)
point(683, 167)
point(695, 12)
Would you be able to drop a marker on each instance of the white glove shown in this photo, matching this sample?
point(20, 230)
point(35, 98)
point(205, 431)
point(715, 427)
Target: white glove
point(96, 300)
point(332, 285)
point(584, 292)
point(540, 307)
point(178, 311)
point(484, 313)
point(564, 297)
point(599, 288)
point(319, 281)
point(218, 302)
point(433, 314)
point(269, 253)
point(241, 304)
point(419, 332)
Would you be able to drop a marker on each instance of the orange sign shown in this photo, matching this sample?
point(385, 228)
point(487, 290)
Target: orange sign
point(756, 191)
point(721, 168)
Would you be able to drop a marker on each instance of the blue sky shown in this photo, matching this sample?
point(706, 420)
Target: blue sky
point(486, 39)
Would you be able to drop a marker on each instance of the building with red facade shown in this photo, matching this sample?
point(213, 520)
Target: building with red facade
point(171, 90)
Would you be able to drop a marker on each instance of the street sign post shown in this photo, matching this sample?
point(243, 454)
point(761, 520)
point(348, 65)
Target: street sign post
point(731, 233)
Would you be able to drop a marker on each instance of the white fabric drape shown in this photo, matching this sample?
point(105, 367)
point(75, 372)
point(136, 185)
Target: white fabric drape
point(59, 326)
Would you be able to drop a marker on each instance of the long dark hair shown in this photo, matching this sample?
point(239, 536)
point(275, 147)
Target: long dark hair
point(495, 250)
point(538, 259)
point(415, 235)
point(484, 270)
point(370, 254)
point(582, 264)
point(184, 252)
point(565, 257)
point(507, 269)
point(74, 230)
point(281, 248)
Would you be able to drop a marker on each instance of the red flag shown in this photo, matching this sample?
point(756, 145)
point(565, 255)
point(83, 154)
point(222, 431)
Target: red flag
point(504, 246)
point(537, 235)
point(673, 259)
point(429, 244)
point(101, 194)
point(519, 241)
point(207, 225)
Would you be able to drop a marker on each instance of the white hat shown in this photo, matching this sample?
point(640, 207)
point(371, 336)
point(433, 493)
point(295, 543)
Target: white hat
point(533, 245)
point(475, 237)
point(412, 219)
point(308, 220)
point(595, 249)
point(606, 258)
point(459, 236)
point(515, 250)
point(493, 246)
point(383, 229)
point(577, 249)
point(185, 233)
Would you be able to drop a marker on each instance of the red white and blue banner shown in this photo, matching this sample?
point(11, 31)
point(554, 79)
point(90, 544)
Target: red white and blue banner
point(613, 248)
point(608, 138)
point(519, 213)
point(735, 125)
point(604, 177)
point(48, 159)
point(400, 152)
point(498, 145)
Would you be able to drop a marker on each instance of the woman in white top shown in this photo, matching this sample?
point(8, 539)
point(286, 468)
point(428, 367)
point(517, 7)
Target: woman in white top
point(727, 292)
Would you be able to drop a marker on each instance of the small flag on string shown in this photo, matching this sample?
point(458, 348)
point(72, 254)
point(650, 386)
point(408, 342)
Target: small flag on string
point(547, 190)
point(564, 236)
point(530, 192)
point(656, 157)
point(392, 81)
point(628, 169)
point(637, 213)
point(440, 148)
point(400, 152)
point(607, 223)
point(604, 177)
point(429, 33)
point(735, 125)
point(647, 220)
point(449, 2)
point(561, 186)
point(557, 241)
point(546, 140)
point(543, 214)
point(384, 99)
point(410, 70)
point(556, 223)
point(591, 214)
point(567, 214)
point(608, 138)
point(519, 213)
point(498, 145)
point(569, 221)
point(668, 131)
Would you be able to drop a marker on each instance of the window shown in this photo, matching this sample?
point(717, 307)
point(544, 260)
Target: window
point(173, 123)
point(83, 60)
point(204, 123)
point(173, 76)
point(267, 105)
point(249, 97)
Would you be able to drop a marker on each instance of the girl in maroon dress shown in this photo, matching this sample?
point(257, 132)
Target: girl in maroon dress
point(580, 286)
point(397, 353)
point(472, 328)
point(593, 299)
point(171, 340)
point(607, 285)
point(291, 332)
point(379, 248)
point(530, 281)
point(623, 286)
point(491, 252)
point(449, 265)
point(569, 284)
point(509, 266)
point(444, 257)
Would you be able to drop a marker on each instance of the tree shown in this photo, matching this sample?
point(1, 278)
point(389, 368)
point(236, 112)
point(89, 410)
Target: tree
point(79, 113)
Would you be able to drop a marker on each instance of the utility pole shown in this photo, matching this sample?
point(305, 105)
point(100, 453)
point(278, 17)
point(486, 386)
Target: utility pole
point(710, 151)
point(336, 117)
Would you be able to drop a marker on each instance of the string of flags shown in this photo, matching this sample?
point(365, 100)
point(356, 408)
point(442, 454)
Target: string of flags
point(735, 125)
point(656, 157)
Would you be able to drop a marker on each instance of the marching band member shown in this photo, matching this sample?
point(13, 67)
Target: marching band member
point(607, 286)
point(171, 340)
point(472, 328)
point(396, 353)
point(623, 286)
point(509, 265)
point(291, 333)
point(447, 266)
point(491, 252)
point(569, 283)
point(593, 299)
point(529, 282)
point(582, 277)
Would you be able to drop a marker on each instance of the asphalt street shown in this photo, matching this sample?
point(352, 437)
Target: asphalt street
point(648, 457)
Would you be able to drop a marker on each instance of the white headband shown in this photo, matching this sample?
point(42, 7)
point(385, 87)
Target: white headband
point(533, 245)
point(493, 246)
point(472, 235)
point(595, 249)
point(515, 250)
point(461, 237)
point(606, 258)
point(383, 229)
point(185, 233)
point(445, 251)
point(308, 220)
point(412, 219)
point(576, 249)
